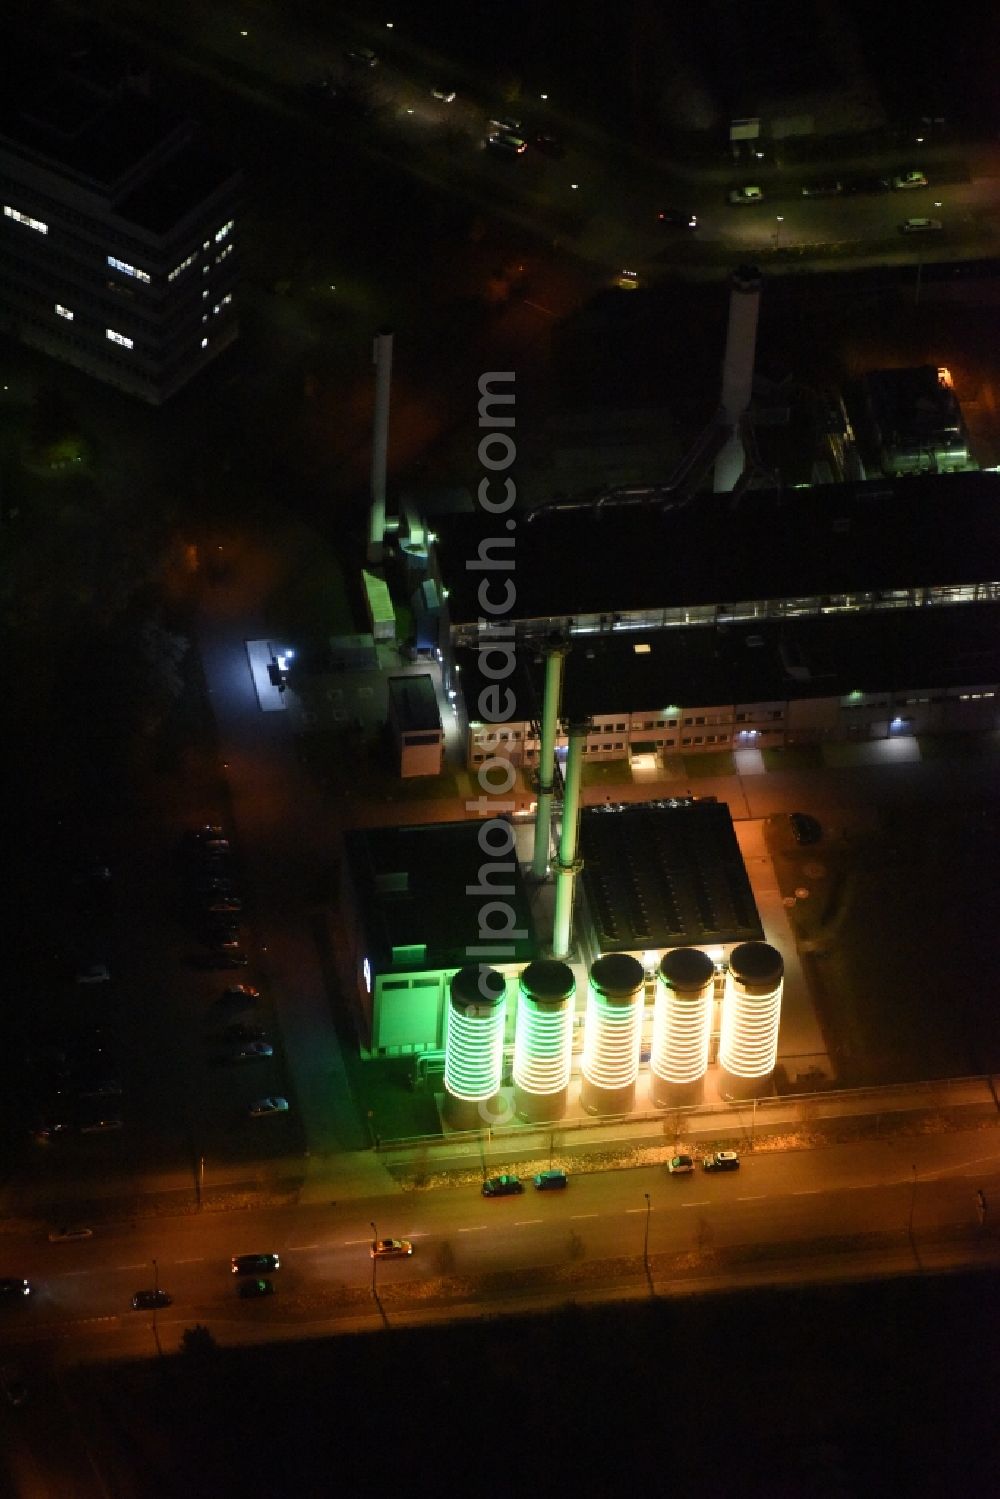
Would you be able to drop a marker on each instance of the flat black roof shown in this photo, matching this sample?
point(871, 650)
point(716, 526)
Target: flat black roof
point(924, 531)
point(412, 883)
point(828, 655)
point(414, 702)
point(658, 875)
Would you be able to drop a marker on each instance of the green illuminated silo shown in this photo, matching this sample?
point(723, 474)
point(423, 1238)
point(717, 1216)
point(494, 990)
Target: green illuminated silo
point(473, 1048)
point(543, 1041)
point(612, 1038)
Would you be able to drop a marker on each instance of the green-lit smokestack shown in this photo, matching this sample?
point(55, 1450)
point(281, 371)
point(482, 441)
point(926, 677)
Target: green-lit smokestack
point(569, 865)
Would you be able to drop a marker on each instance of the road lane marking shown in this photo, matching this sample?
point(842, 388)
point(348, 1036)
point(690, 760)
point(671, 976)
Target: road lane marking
point(67, 1273)
point(304, 1246)
point(141, 1266)
point(809, 1192)
point(524, 1222)
point(577, 1216)
point(759, 1198)
point(417, 1233)
point(637, 1210)
point(474, 1229)
point(702, 1202)
point(199, 1260)
point(357, 1241)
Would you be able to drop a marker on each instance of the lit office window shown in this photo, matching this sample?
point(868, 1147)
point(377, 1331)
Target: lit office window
point(119, 338)
point(62, 311)
point(179, 269)
point(26, 219)
point(223, 253)
point(128, 270)
point(220, 234)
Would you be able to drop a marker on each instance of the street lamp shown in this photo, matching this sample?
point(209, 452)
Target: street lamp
point(779, 220)
point(645, 1240)
point(374, 1258)
point(913, 1199)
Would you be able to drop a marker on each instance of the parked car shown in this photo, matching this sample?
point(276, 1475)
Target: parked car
point(262, 1107)
point(361, 57)
point(70, 1235)
point(506, 143)
point(222, 902)
point(551, 1181)
point(245, 992)
point(502, 1186)
point(253, 1264)
point(14, 1289)
point(750, 194)
point(14, 1388)
point(221, 960)
point(676, 218)
point(240, 1031)
point(390, 1249)
point(549, 145)
point(867, 184)
point(100, 1123)
point(445, 95)
point(253, 1290)
point(904, 181)
point(506, 123)
point(805, 829)
point(829, 188)
point(93, 973)
point(252, 1051)
point(151, 1301)
point(722, 1160)
point(207, 833)
point(921, 226)
point(680, 1165)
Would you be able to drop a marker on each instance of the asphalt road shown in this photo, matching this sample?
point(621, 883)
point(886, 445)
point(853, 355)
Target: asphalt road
point(80, 1307)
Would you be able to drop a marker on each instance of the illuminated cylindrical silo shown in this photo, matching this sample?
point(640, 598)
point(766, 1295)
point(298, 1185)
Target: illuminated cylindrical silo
point(682, 1027)
point(543, 1041)
point(612, 1036)
point(751, 1012)
point(473, 1047)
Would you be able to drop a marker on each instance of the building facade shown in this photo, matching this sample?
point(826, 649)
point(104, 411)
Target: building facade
point(117, 231)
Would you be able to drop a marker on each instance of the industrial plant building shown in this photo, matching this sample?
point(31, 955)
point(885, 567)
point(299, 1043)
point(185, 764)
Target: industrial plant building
point(663, 891)
point(776, 617)
point(118, 227)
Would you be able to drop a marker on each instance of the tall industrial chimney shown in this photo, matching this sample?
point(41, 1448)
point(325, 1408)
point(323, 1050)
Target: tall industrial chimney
point(568, 865)
point(737, 372)
point(382, 358)
point(555, 655)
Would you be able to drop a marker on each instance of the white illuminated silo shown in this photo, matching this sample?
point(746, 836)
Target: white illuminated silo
point(751, 1012)
point(682, 1027)
point(473, 1047)
point(612, 1037)
point(543, 1040)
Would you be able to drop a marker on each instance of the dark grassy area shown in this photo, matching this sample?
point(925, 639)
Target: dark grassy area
point(870, 1389)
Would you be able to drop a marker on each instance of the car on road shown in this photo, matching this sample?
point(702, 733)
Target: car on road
point(253, 1264)
point(222, 939)
point(70, 1235)
point(722, 1160)
point(506, 122)
point(252, 1290)
point(805, 828)
point(502, 1186)
point(262, 1107)
point(506, 142)
point(830, 187)
point(100, 1123)
point(920, 226)
point(445, 95)
point(14, 1289)
point(245, 992)
point(680, 1165)
point(676, 218)
point(361, 57)
point(151, 1301)
point(867, 184)
point(551, 1181)
point(222, 903)
point(904, 181)
point(390, 1249)
point(748, 194)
